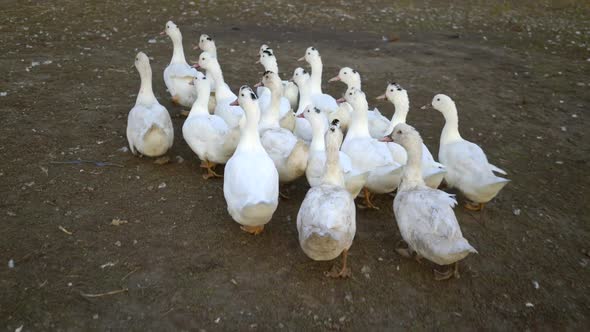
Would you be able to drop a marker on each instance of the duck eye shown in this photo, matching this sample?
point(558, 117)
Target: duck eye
point(242, 95)
point(136, 59)
point(437, 99)
point(308, 53)
point(345, 73)
point(391, 90)
point(399, 131)
point(203, 59)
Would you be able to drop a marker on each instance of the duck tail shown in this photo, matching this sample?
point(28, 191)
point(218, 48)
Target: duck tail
point(155, 141)
point(259, 211)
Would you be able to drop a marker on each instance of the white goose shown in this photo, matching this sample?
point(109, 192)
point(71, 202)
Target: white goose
point(251, 180)
point(424, 215)
point(432, 172)
point(269, 61)
point(319, 99)
point(467, 166)
point(208, 135)
point(366, 153)
point(287, 152)
point(352, 78)
point(149, 128)
point(316, 164)
point(178, 73)
point(326, 221)
point(223, 94)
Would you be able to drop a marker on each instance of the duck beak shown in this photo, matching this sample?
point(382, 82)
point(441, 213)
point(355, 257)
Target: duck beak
point(191, 83)
point(340, 100)
point(196, 65)
point(300, 116)
point(258, 61)
point(163, 33)
point(301, 59)
point(334, 79)
point(386, 139)
point(426, 107)
point(258, 84)
point(235, 103)
point(381, 97)
point(196, 47)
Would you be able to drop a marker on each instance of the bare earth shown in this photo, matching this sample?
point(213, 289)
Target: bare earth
point(519, 75)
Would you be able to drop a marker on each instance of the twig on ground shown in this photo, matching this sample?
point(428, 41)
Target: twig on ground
point(117, 291)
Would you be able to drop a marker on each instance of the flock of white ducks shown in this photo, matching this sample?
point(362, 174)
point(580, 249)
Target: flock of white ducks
point(287, 129)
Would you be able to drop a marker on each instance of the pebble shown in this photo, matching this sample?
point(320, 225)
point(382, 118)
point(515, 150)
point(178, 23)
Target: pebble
point(118, 243)
point(179, 159)
point(529, 305)
point(162, 185)
point(217, 320)
point(152, 41)
point(516, 212)
point(3, 94)
point(563, 128)
point(11, 264)
point(123, 149)
point(95, 316)
point(535, 284)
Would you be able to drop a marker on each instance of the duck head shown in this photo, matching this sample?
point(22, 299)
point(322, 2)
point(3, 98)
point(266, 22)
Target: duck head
point(206, 61)
point(443, 104)
point(394, 93)
point(356, 98)
point(348, 76)
point(311, 55)
point(246, 98)
point(171, 30)
point(300, 76)
point(142, 62)
point(207, 44)
point(270, 80)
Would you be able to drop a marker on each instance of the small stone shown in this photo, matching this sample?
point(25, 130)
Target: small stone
point(516, 212)
point(535, 284)
point(118, 243)
point(217, 320)
point(69, 284)
point(3, 94)
point(118, 222)
point(529, 305)
point(179, 159)
point(563, 128)
point(152, 41)
point(559, 162)
point(19, 329)
point(162, 185)
point(11, 264)
point(342, 319)
point(123, 149)
point(95, 316)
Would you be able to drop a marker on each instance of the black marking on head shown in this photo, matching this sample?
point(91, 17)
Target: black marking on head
point(266, 72)
point(317, 110)
point(332, 129)
point(253, 96)
point(209, 38)
point(354, 71)
point(335, 122)
point(313, 48)
point(303, 71)
point(268, 51)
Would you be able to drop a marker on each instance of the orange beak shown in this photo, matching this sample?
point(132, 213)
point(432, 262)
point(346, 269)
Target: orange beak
point(235, 103)
point(334, 79)
point(381, 97)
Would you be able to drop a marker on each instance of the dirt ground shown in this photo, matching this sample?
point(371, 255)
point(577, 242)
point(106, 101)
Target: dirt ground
point(518, 72)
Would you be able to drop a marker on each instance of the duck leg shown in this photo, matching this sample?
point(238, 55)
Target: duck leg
point(474, 206)
point(210, 172)
point(368, 203)
point(342, 273)
point(448, 274)
point(254, 230)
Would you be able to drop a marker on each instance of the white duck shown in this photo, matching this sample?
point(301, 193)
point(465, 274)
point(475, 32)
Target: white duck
point(208, 135)
point(149, 128)
point(287, 152)
point(326, 221)
point(269, 61)
point(352, 78)
point(467, 166)
point(287, 119)
point(223, 94)
point(207, 44)
point(366, 153)
point(424, 215)
point(319, 99)
point(316, 164)
point(302, 127)
point(178, 73)
point(251, 180)
point(432, 172)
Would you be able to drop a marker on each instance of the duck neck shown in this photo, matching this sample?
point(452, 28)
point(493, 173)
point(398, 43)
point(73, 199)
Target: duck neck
point(222, 92)
point(304, 96)
point(249, 137)
point(200, 106)
point(178, 51)
point(400, 114)
point(271, 116)
point(316, 76)
point(146, 94)
point(272, 65)
point(450, 132)
point(333, 173)
point(318, 143)
point(354, 83)
point(359, 127)
point(413, 169)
